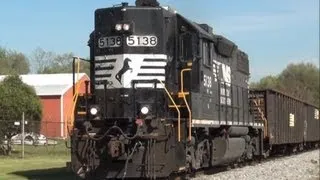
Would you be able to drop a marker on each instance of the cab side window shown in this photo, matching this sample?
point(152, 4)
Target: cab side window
point(186, 47)
point(211, 53)
point(207, 52)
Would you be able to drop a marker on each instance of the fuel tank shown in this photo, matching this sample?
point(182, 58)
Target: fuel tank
point(226, 150)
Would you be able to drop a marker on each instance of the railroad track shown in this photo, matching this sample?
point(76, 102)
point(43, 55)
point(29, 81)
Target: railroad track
point(218, 169)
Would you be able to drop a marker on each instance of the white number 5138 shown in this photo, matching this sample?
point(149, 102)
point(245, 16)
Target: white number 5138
point(147, 41)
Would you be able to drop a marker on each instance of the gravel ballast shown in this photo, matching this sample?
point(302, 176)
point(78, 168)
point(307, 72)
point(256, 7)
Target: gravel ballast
point(296, 167)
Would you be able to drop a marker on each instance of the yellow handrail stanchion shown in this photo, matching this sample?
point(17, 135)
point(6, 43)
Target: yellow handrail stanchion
point(175, 105)
point(74, 98)
point(185, 100)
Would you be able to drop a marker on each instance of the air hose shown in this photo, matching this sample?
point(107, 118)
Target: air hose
point(108, 131)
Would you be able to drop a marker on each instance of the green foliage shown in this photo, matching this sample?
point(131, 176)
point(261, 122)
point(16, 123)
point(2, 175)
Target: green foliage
point(16, 98)
point(267, 82)
point(299, 80)
point(302, 80)
point(12, 62)
point(49, 63)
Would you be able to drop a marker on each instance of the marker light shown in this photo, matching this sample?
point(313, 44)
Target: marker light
point(93, 111)
point(118, 27)
point(144, 110)
point(126, 27)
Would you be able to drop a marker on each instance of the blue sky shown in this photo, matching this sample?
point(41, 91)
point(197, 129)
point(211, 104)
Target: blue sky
point(272, 32)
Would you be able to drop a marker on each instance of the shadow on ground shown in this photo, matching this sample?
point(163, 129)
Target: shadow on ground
point(46, 174)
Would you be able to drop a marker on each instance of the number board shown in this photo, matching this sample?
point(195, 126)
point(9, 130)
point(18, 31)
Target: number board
point(145, 41)
point(111, 41)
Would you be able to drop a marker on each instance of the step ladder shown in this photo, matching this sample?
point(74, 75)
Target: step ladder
point(181, 97)
point(258, 111)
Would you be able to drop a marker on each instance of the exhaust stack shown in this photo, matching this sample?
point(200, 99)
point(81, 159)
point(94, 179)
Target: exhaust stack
point(148, 3)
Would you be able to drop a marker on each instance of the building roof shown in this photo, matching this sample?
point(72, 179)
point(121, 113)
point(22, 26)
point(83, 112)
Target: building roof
point(49, 84)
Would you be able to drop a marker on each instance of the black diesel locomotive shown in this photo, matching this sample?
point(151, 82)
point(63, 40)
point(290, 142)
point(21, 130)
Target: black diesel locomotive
point(166, 95)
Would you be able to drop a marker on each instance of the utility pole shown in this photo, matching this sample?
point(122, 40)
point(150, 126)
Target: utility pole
point(22, 134)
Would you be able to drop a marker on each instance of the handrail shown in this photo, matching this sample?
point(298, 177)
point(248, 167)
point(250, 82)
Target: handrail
point(76, 94)
point(175, 105)
point(265, 134)
point(74, 98)
point(181, 78)
point(72, 108)
point(185, 101)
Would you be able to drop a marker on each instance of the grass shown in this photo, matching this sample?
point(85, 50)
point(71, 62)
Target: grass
point(40, 163)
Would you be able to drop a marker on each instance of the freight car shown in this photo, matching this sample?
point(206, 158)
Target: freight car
point(292, 124)
point(167, 95)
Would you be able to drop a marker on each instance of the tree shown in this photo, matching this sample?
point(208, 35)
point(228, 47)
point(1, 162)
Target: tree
point(48, 62)
point(16, 98)
point(60, 64)
point(41, 59)
point(267, 82)
point(302, 81)
point(299, 80)
point(13, 62)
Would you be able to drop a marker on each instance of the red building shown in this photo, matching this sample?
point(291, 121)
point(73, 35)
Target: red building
point(55, 92)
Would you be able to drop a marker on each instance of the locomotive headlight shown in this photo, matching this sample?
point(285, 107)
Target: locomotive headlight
point(93, 111)
point(144, 110)
point(126, 27)
point(118, 27)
